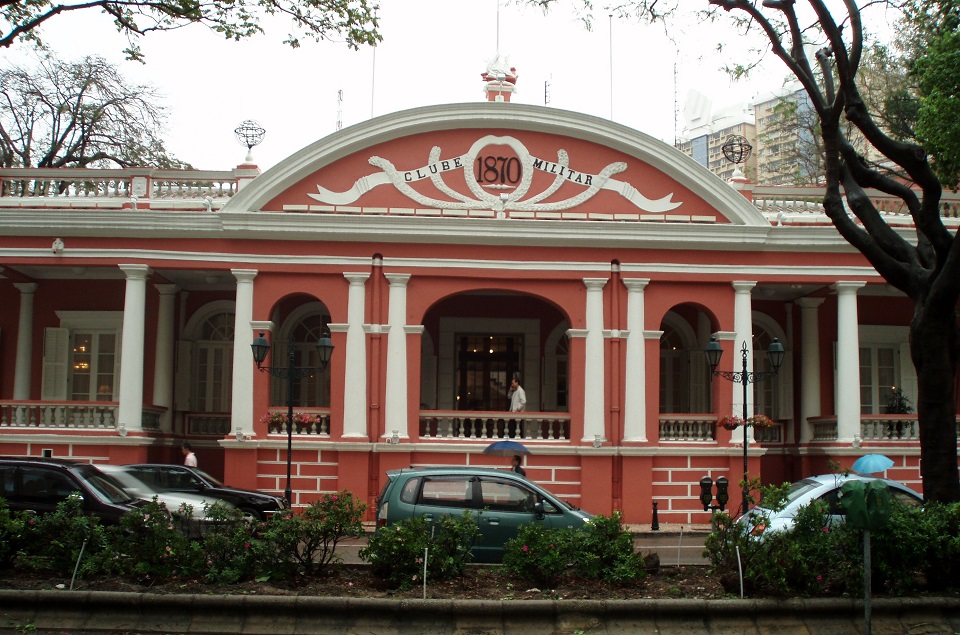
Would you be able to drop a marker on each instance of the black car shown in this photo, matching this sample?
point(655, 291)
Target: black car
point(178, 478)
point(40, 484)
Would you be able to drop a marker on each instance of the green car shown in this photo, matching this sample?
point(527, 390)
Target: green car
point(501, 501)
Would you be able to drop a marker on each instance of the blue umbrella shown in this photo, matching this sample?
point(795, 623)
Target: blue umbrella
point(872, 463)
point(506, 448)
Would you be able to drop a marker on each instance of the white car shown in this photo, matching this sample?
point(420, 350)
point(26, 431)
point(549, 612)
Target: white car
point(826, 488)
point(174, 501)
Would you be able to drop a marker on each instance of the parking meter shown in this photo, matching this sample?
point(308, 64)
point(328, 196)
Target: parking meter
point(723, 496)
point(706, 492)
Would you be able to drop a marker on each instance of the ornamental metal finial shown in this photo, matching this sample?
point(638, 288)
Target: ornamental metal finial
point(249, 133)
point(736, 149)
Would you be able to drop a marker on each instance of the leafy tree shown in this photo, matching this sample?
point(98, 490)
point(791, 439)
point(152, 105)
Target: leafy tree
point(938, 117)
point(76, 114)
point(928, 271)
point(927, 268)
point(355, 21)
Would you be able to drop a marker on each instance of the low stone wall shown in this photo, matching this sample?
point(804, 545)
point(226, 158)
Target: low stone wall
point(97, 612)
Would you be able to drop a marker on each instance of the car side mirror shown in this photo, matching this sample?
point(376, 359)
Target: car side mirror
point(538, 510)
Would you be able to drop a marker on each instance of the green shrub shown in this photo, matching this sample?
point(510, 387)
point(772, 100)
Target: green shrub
point(919, 548)
point(396, 553)
point(227, 544)
point(602, 551)
point(54, 541)
point(541, 556)
point(605, 551)
point(306, 543)
point(11, 534)
point(146, 545)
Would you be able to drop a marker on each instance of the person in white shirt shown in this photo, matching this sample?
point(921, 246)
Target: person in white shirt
point(190, 459)
point(518, 398)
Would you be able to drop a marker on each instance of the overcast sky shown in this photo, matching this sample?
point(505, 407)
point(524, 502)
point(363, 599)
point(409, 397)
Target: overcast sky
point(433, 52)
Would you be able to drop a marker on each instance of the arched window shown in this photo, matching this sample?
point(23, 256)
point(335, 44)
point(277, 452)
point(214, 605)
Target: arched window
point(213, 374)
point(765, 393)
point(673, 373)
point(312, 391)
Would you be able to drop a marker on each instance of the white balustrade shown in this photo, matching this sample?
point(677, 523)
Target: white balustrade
point(688, 427)
point(92, 415)
point(525, 426)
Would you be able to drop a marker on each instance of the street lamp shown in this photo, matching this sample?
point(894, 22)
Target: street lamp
point(775, 356)
point(260, 349)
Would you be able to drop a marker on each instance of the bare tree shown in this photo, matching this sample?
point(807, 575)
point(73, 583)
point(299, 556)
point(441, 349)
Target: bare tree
point(926, 268)
point(354, 21)
point(76, 114)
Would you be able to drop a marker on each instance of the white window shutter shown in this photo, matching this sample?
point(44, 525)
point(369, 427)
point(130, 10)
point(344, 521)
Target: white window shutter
point(56, 357)
point(182, 395)
point(908, 375)
point(699, 376)
point(784, 388)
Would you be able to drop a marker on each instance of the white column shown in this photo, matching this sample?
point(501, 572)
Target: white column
point(810, 365)
point(21, 376)
point(848, 361)
point(163, 362)
point(395, 400)
point(355, 362)
point(743, 325)
point(130, 411)
point(635, 375)
point(241, 403)
point(593, 378)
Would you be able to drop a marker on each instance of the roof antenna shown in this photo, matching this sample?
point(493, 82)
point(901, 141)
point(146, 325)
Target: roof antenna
point(340, 109)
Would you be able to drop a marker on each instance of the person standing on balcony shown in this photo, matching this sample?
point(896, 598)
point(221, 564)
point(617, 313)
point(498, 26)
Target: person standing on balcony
point(190, 459)
point(517, 396)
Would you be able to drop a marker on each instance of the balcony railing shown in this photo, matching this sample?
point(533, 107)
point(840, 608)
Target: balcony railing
point(469, 424)
point(309, 421)
point(85, 415)
point(214, 424)
point(873, 428)
point(688, 427)
point(116, 188)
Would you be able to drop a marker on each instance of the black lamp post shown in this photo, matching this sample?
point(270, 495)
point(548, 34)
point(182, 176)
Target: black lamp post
point(775, 356)
point(260, 349)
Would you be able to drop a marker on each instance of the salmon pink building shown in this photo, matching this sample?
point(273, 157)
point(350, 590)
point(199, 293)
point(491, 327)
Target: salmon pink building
point(445, 250)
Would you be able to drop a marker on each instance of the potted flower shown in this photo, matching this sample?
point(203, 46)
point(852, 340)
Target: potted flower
point(278, 420)
point(730, 423)
point(760, 421)
point(275, 419)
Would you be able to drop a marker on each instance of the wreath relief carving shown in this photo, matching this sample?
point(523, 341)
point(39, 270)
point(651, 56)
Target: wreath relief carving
point(482, 197)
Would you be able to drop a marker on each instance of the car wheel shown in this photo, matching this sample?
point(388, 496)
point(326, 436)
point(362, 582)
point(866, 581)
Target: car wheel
point(250, 515)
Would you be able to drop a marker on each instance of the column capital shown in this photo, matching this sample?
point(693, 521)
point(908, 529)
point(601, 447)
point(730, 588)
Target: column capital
point(356, 279)
point(166, 289)
point(244, 275)
point(809, 303)
point(262, 325)
point(26, 288)
point(135, 272)
point(636, 284)
point(397, 279)
point(594, 284)
point(848, 286)
point(743, 286)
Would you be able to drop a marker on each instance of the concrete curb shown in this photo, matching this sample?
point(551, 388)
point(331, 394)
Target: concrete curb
point(100, 612)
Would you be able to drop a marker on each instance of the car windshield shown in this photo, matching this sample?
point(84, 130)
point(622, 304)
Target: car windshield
point(105, 486)
point(210, 479)
point(798, 490)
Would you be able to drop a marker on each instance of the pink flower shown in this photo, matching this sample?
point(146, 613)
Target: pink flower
point(525, 549)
